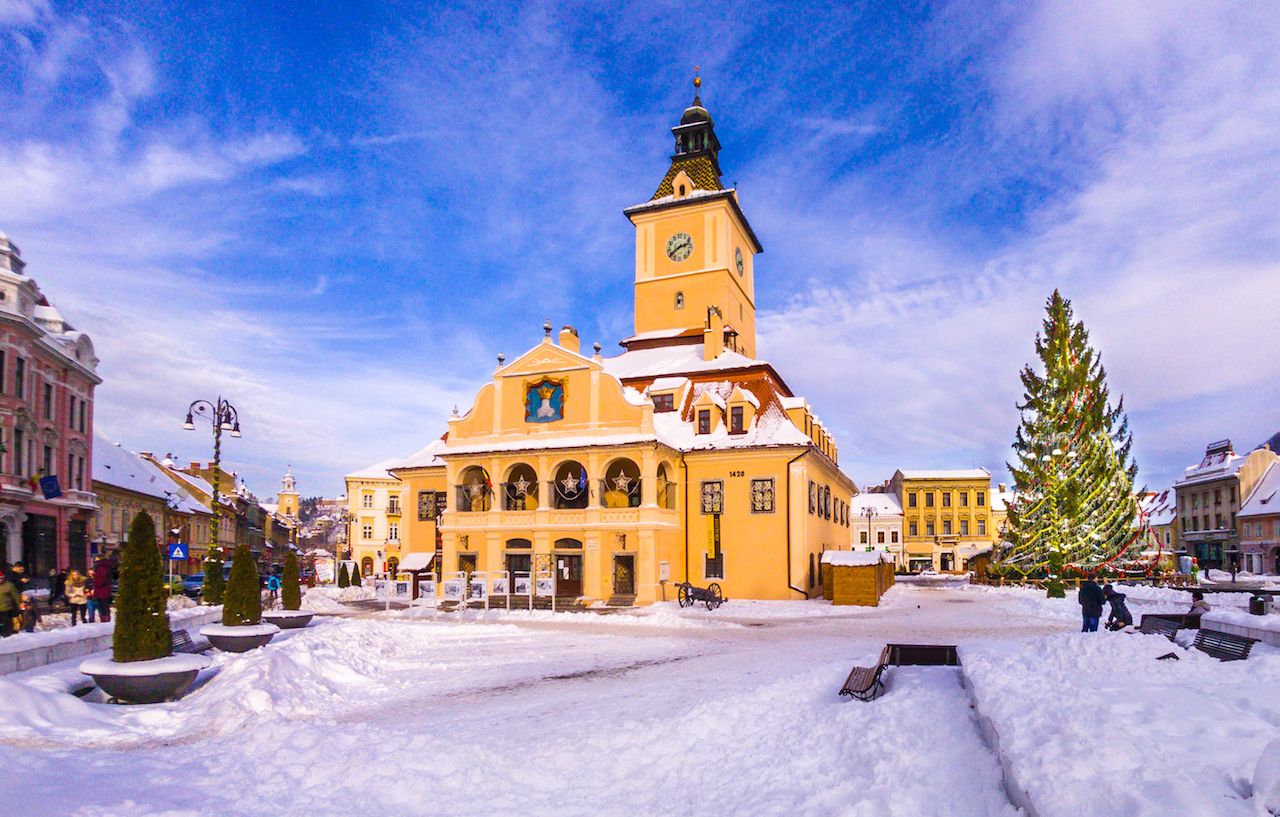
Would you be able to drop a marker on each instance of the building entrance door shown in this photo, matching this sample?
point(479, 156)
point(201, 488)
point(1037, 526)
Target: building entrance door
point(947, 562)
point(518, 563)
point(467, 564)
point(568, 575)
point(40, 544)
point(624, 575)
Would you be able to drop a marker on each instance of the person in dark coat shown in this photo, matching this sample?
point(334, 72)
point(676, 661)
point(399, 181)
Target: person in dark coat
point(57, 586)
point(102, 588)
point(1090, 598)
point(1120, 616)
point(10, 605)
point(18, 576)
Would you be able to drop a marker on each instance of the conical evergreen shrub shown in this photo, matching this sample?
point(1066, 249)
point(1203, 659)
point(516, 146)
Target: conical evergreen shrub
point(214, 586)
point(142, 618)
point(290, 590)
point(355, 576)
point(344, 578)
point(243, 601)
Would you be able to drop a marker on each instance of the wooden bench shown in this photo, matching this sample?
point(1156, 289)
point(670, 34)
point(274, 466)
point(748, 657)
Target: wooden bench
point(182, 643)
point(1223, 646)
point(1158, 625)
point(864, 683)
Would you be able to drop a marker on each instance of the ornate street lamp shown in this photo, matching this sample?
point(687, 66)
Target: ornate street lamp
point(870, 513)
point(224, 417)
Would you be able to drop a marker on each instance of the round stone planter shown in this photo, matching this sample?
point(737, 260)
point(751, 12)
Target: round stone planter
point(239, 639)
point(288, 619)
point(145, 682)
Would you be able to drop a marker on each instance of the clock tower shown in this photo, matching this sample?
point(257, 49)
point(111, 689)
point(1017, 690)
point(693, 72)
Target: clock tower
point(695, 251)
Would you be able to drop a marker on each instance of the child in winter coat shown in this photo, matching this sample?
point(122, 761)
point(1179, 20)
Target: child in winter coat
point(77, 591)
point(1198, 605)
point(30, 615)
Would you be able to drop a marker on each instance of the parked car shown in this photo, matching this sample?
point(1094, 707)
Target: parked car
point(193, 584)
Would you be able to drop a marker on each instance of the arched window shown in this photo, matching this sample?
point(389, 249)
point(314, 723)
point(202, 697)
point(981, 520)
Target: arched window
point(568, 544)
point(569, 487)
point(366, 566)
point(681, 190)
point(393, 566)
point(475, 493)
point(523, 544)
point(679, 300)
point(621, 487)
point(666, 488)
point(520, 491)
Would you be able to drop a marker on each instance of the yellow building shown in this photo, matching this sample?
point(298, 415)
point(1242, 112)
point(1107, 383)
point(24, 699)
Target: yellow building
point(375, 498)
point(287, 498)
point(684, 458)
point(947, 517)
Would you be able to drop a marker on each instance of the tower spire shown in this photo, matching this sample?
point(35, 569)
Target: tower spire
point(697, 150)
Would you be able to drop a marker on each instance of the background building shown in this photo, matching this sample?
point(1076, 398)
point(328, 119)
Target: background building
point(1210, 496)
point(375, 500)
point(947, 516)
point(48, 372)
point(881, 529)
point(1259, 522)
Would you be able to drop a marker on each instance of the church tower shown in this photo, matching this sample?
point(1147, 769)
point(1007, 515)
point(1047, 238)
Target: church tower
point(288, 496)
point(695, 251)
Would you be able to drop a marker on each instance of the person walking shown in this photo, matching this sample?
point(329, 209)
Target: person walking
point(1120, 616)
point(102, 588)
point(273, 587)
point(10, 603)
point(1090, 599)
point(77, 591)
point(57, 586)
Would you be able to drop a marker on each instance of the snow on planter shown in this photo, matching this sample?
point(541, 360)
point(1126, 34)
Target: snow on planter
point(182, 662)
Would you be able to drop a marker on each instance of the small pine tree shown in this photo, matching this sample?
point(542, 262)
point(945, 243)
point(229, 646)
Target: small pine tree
point(214, 586)
point(355, 576)
point(344, 578)
point(142, 618)
point(243, 602)
point(1075, 508)
point(290, 590)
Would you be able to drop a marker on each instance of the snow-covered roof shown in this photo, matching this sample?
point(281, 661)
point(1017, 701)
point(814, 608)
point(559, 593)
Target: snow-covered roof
point(667, 384)
point(376, 471)
point(1160, 508)
point(882, 504)
point(121, 468)
point(427, 457)
point(855, 558)
point(1217, 465)
point(792, 402)
point(1265, 499)
point(416, 561)
point(771, 427)
point(670, 360)
point(1001, 500)
point(634, 396)
point(943, 473)
point(657, 334)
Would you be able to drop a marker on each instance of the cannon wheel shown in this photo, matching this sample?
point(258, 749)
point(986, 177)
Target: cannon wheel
point(682, 596)
point(715, 597)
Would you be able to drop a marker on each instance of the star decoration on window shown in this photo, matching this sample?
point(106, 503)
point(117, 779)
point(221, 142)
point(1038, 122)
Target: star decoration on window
point(475, 489)
point(570, 485)
point(622, 482)
point(522, 486)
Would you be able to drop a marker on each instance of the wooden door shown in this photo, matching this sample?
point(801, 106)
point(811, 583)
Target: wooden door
point(568, 575)
point(518, 563)
point(624, 575)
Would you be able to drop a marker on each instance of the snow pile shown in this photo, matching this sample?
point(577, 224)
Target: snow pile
point(638, 617)
point(178, 620)
point(1094, 724)
point(181, 603)
point(1177, 599)
point(1266, 778)
point(321, 603)
point(1239, 618)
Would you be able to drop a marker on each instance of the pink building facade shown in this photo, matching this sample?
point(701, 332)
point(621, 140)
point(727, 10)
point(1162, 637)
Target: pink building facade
point(47, 379)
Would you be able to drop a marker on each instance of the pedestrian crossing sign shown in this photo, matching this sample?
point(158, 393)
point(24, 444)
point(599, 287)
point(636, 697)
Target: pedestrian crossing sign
point(177, 551)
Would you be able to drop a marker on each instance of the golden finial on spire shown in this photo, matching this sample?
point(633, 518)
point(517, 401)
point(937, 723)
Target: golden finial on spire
point(697, 80)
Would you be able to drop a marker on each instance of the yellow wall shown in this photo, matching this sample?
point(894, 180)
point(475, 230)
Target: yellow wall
point(981, 526)
point(383, 536)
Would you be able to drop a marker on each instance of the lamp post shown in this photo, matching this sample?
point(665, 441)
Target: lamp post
point(224, 417)
point(870, 513)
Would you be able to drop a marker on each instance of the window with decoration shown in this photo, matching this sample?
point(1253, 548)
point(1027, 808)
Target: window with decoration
point(762, 495)
point(713, 496)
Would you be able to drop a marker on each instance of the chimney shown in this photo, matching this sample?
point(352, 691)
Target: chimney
point(195, 465)
point(1002, 487)
point(569, 338)
point(713, 334)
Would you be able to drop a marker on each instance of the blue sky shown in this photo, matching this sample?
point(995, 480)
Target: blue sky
point(338, 217)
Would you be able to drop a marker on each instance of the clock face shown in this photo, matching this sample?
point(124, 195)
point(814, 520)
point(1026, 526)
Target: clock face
point(737, 257)
point(679, 246)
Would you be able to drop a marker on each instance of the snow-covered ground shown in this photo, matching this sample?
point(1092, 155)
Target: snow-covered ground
point(660, 711)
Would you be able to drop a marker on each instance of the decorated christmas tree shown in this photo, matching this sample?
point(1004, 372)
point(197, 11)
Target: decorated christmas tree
point(214, 585)
point(243, 602)
point(290, 590)
point(1075, 511)
point(142, 620)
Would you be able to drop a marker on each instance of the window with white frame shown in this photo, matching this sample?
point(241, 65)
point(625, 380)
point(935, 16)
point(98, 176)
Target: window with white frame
point(366, 500)
point(366, 531)
point(393, 532)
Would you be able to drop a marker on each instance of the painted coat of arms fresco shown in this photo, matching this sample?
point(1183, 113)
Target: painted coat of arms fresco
point(544, 401)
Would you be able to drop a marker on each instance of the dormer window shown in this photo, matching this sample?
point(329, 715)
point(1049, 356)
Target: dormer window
point(704, 421)
point(735, 420)
point(664, 402)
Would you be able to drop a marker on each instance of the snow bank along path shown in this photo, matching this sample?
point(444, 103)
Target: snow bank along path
point(377, 716)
